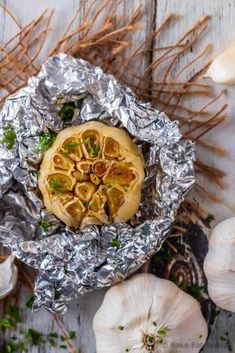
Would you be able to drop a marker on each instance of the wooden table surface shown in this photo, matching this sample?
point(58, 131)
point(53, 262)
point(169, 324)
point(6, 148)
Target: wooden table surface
point(222, 31)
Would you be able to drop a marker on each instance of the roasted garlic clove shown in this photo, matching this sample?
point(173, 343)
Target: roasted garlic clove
point(72, 147)
point(76, 210)
point(59, 183)
point(91, 143)
point(81, 176)
point(112, 148)
point(99, 167)
point(120, 173)
point(84, 191)
point(60, 161)
point(8, 276)
point(115, 199)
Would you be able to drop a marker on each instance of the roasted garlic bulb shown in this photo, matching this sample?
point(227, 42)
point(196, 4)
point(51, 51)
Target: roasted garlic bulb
point(92, 174)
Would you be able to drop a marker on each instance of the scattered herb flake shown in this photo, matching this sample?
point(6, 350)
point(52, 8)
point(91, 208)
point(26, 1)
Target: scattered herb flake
point(44, 224)
point(66, 152)
point(13, 313)
point(6, 324)
point(33, 337)
point(162, 332)
point(56, 185)
point(63, 346)
point(154, 323)
point(116, 243)
point(45, 141)
point(164, 254)
point(72, 335)
point(9, 136)
point(67, 110)
point(73, 144)
point(150, 339)
point(127, 350)
point(57, 295)
point(210, 217)
point(121, 328)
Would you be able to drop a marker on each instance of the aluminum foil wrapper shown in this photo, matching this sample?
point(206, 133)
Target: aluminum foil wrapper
point(73, 262)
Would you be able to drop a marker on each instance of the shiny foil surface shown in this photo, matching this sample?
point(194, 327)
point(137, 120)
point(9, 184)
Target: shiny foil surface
point(71, 262)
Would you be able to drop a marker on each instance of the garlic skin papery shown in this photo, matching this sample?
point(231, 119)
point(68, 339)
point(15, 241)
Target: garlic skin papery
point(222, 68)
point(8, 276)
point(219, 265)
point(149, 314)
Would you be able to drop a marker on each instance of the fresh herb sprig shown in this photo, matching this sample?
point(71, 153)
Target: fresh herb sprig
point(29, 338)
point(67, 110)
point(93, 149)
point(45, 141)
point(9, 136)
point(56, 185)
point(44, 224)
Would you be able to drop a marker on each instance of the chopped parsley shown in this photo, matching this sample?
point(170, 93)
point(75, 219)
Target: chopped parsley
point(73, 144)
point(44, 224)
point(56, 185)
point(67, 110)
point(9, 136)
point(93, 150)
point(33, 337)
point(154, 323)
point(57, 295)
point(210, 217)
point(194, 290)
point(45, 141)
point(116, 243)
point(150, 340)
point(164, 254)
point(121, 328)
point(162, 332)
point(72, 335)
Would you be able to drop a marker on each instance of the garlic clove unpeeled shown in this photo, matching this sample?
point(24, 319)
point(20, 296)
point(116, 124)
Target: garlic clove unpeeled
point(222, 68)
point(147, 313)
point(8, 276)
point(219, 265)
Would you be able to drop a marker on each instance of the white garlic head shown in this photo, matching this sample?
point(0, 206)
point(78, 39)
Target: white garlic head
point(149, 314)
point(8, 276)
point(219, 265)
point(222, 68)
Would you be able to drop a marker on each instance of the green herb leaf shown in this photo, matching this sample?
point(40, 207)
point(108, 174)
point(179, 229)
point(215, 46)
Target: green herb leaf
point(56, 185)
point(116, 243)
point(33, 337)
point(210, 217)
point(57, 295)
point(121, 328)
point(66, 152)
point(29, 303)
point(93, 150)
point(163, 331)
point(44, 224)
point(154, 323)
point(72, 335)
point(150, 339)
point(73, 144)
point(164, 254)
point(45, 141)
point(67, 110)
point(6, 324)
point(63, 346)
point(12, 312)
point(9, 136)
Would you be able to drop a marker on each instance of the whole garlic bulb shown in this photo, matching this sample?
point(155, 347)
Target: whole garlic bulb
point(8, 276)
point(222, 68)
point(149, 314)
point(219, 265)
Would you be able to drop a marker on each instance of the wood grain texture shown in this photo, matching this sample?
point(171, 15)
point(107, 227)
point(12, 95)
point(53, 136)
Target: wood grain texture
point(222, 31)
